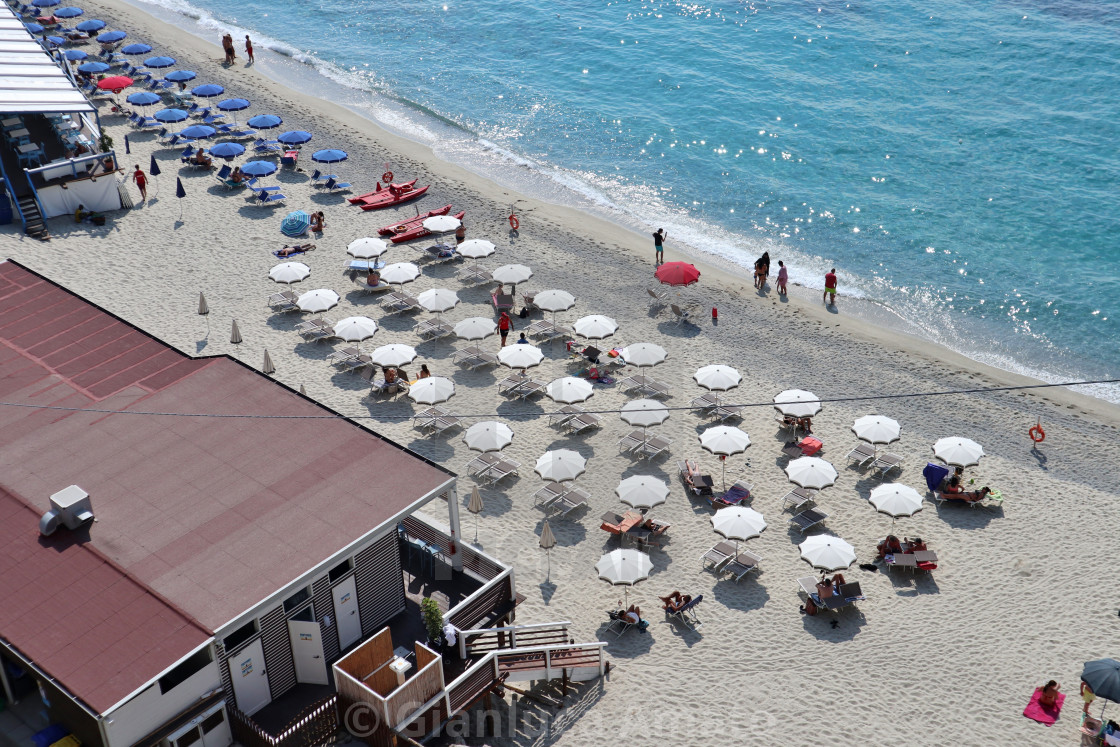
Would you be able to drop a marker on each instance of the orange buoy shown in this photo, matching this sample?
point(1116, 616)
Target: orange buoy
point(1036, 433)
point(514, 223)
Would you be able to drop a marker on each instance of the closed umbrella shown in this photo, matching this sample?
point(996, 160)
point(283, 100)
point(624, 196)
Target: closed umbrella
point(738, 522)
point(394, 355)
point(294, 137)
point(568, 389)
point(644, 413)
point(181, 76)
point(489, 435)
point(235, 334)
point(295, 224)
point(554, 300)
point(170, 116)
point(208, 90)
point(642, 491)
point(233, 105)
point(644, 354)
point(142, 98)
point(595, 327)
point(827, 552)
point(677, 273)
point(159, 62)
point(512, 274)
point(560, 465)
point(476, 248)
point(329, 155)
point(624, 568)
point(228, 151)
point(520, 356)
point(265, 122)
point(400, 273)
point(724, 441)
point(438, 300)
point(813, 473)
point(475, 328)
point(317, 301)
point(959, 452)
point(896, 500)
point(717, 378)
point(198, 132)
point(432, 390)
point(259, 168)
point(134, 49)
point(475, 507)
point(289, 272)
point(267, 367)
point(441, 223)
point(91, 25)
point(876, 429)
point(797, 403)
point(355, 328)
point(548, 541)
point(93, 67)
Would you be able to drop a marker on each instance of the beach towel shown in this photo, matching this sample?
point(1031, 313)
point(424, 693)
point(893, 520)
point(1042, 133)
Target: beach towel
point(1044, 714)
point(934, 474)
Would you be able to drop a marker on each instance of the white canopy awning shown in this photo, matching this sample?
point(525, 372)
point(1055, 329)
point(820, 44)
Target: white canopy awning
point(30, 81)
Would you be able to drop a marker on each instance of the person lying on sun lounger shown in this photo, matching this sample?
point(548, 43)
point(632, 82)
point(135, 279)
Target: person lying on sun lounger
point(297, 249)
point(805, 424)
point(674, 601)
point(632, 615)
point(373, 279)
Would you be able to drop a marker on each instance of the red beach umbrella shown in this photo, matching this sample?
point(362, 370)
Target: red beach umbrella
point(677, 273)
point(115, 83)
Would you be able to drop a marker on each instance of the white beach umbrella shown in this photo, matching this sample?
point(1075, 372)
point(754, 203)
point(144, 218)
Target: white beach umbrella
point(642, 491)
point(475, 328)
point(959, 452)
point(554, 300)
point(797, 403)
point(811, 472)
point(624, 567)
point(476, 248)
point(644, 413)
point(643, 354)
point(441, 223)
point(400, 273)
point(289, 272)
point(569, 389)
point(877, 429)
point(489, 435)
point(595, 327)
point(438, 300)
point(367, 248)
point(724, 440)
point(355, 328)
point(896, 500)
point(520, 356)
point(393, 355)
point(512, 274)
point(827, 552)
point(717, 377)
point(560, 465)
point(738, 522)
point(432, 390)
point(317, 301)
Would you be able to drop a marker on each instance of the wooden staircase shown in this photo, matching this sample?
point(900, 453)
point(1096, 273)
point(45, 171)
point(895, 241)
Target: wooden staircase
point(33, 223)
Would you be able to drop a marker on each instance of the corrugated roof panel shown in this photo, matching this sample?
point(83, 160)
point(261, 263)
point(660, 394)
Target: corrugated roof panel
point(30, 81)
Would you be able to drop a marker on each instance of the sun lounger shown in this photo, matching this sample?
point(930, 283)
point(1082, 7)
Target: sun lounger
point(622, 623)
point(582, 422)
point(923, 560)
point(343, 355)
point(473, 357)
point(546, 329)
point(399, 303)
point(681, 315)
point(333, 185)
point(425, 419)
point(686, 614)
point(737, 495)
point(528, 300)
point(848, 594)
point(563, 415)
point(521, 387)
point(442, 253)
point(644, 384)
point(657, 298)
point(501, 470)
point(314, 330)
point(509, 384)
point(716, 557)
point(699, 487)
point(862, 454)
point(550, 492)
point(362, 285)
point(572, 499)
point(431, 329)
point(798, 498)
point(283, 301)
point(742, 564)
point(631, 441)
point(474, 274)
point(268, 198)
point(502, 302)
point(707, 401)
point(807, 519)
point(884, 463)
point(653, 447)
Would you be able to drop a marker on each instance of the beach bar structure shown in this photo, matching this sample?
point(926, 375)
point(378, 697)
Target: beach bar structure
point(180, 578)
point(49, 159)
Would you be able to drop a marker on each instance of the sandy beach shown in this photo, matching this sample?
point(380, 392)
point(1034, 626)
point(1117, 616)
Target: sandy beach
point(950, 657)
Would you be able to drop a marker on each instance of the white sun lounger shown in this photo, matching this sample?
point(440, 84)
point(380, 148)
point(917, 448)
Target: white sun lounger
point(807, 519)
point(716, 557)
point(741, 565)
point(862, 454)
point(884, 463)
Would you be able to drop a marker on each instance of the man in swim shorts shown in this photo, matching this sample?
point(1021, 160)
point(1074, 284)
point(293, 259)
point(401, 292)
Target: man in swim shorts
point(829, 288)
point(659, 247)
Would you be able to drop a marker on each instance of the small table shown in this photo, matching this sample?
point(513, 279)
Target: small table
point(10, 122)
point(20, 133)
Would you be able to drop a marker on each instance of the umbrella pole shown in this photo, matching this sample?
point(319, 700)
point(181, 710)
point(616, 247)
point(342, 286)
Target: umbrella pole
point(476, 529)
point(548, 555)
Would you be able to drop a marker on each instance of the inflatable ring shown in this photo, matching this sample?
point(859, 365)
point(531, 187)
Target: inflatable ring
point(400, 229)
point(1037, 434)
point(387, 177)
point(514, 223)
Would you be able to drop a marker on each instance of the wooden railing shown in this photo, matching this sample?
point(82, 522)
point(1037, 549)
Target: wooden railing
point(314, 726)
point(482, 640)
point(490, 602)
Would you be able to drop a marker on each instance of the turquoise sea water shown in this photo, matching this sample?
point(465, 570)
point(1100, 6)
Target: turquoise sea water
point(959, 162)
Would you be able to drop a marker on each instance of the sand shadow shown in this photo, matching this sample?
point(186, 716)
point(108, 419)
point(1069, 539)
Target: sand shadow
point(960, 516)
point(567, 533)
point(687, 634)
point(843, 625)
point(746, 595)
point(1039, 457)
point(548, 589)
point(630, 644)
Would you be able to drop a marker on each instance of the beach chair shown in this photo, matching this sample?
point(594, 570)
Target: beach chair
point(653, 447)
point(848, 594)
point(529, 388)
point(502, 302)
point(657, 298)
point(318, 178)
point(398, 303)
point(563, 415)
point(255, 185)
point(362, 285)
point(473, 275)
point(884, 463)
point(726, 412)
point(528, 301)
point(283, 301)
point(571, 499)
point(681, 315)
point(442, 253)
point(631, 441)
point(333, 185)
point(720, 554)
point(546, 495)
point(432, 329)
point(582, 422)
point(269, 198)
point(314, 330)
point(742, 564)
point(223, 173)
point(701, 485)
point(267, 146)
point(502, 469)
point(217, 120)
point(622, 623)
point(738, 494)
point(686, 614)
point(807, 519)
point(708, 401)
point(799, 498)
point(426, 419)
point(862, 454)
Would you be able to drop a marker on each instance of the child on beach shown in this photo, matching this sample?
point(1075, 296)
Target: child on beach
point(249, 48)
point(783, 277)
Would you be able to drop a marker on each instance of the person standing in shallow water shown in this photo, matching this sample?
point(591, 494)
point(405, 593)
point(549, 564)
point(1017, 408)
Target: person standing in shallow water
point(829, 288)
point(783, 277)
point(249, 48)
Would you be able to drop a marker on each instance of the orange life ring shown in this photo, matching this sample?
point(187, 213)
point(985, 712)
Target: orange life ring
point(387, 177)
point(400, 229)
point(1037, 434)
point(514, 223)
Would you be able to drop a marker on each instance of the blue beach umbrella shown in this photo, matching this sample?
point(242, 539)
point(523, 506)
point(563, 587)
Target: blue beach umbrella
point(259, 168)
point(92, 67)
point(142, 98)
point(68, 12)
point(294, 137)
point(294, 224)
point(55, 41)
point(233, 105)
point(159, 62)
point(228, 151)
point(330, 155)
point(208, 90)
point(90, 26)
point(265, 122)
point(34, 28)
point(46, 3)
point(198, 131)
point(74, 54)
point(170, 116)
point(181, 76)
point(136, 48)
point(111, 36)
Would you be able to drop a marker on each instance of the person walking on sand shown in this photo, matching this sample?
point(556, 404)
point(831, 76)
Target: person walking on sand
point(659, 247)
point(249, 48)
point(503, 327)
point(829, 288)
point(783, 277)
point(141, 180)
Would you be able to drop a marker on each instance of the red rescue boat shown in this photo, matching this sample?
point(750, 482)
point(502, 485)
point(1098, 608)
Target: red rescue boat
point(418, 232)
point(395, 229)
point(394, 194)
